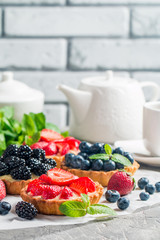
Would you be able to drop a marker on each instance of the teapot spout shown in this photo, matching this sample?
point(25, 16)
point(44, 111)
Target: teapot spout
point(79, 101)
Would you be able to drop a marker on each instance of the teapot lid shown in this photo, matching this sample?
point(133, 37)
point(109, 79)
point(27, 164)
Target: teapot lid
point(108, 80)
point(14, 91)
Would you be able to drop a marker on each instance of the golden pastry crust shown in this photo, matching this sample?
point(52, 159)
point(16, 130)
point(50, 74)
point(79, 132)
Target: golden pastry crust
point(99, 176)
point(51, 206)
point(15, 187)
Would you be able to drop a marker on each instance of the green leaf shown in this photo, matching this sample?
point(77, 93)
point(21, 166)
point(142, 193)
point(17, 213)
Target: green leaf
point(73, 209)
point(28, 140)
point(36, 137)
point(121, 159)
point(85, 200)
point(2, 142)
point(100, 209)
point(65, 134)
point(8, 133)
point(21, 139)
point(28, 125)
point(102, 156)
point(40, 121)
point(7, 111)
point(52, 127)
point(7, 125)
point(16, 126)
point(108, 149)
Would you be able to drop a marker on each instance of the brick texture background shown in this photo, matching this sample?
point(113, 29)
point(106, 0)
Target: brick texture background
point(47, 42)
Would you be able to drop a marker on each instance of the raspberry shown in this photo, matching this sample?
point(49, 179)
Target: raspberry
point(25, 210)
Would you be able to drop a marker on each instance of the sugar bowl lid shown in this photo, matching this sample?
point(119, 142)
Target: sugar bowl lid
point(15, 91)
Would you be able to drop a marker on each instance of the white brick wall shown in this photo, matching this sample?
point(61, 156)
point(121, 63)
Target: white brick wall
point(34, 54)
point(115, 54)
point(67, 21)
point(146, 22)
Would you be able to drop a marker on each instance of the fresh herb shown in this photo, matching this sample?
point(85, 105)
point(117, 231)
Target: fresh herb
point(79, 209)
point(118, 158)
point(28, 130)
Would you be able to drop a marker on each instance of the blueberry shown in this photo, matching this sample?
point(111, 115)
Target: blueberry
point(118, 150)
point(68, 159)
point(97, 165)
point(119, 166)
point(85, 165)
point(109, 165)
point(84, 147)
point(5, 207)
point(157, 185)
point(95, 148)
point(112, 196)
point(102, 148)
point(150, 188)
point(77, 161)
point(123, 203)
point(129, 156)
point(142, 182)
point(84, 155)
point(144, 196)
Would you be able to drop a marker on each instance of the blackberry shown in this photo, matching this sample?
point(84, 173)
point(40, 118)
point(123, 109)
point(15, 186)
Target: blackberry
point(25, 152)
point(33, 163)
point(13, 162)
point(50, 161)
point(25, 210)
point(21, 173)
point(42, 169)
point(3, 169)
point(38, 153)
point(11, 150)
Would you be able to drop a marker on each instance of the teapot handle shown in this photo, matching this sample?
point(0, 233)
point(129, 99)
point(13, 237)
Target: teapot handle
point(155, 87)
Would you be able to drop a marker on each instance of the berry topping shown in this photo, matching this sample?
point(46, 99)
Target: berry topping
point(77, 161)
point(150, 188)
point(25, 210)
point(95, 148)
point(50, 161)
point(3, 169)
point(85, 147)
point(22, 172)
point(123, 203)
point(5, 207)
point(86, 164)
point(121, 182)
point(2, 190)
point(61, 177)
point(112, 196)
point(50, 149)
point(63, 148)
point(42, 168)
point(38, 154)
point(66, 193)
point(119, 166)
point(50, 135)
point(142, 182)
point(84, 155)
point(109, 165)
point(97, 165)
point(46, 179)
point(68, 158)
point(83, 185)
point(41, 145)
point(118, 150)
point(50, 192)
point(129, 156)
point(11, 150)
point(144, 196)
point(24, 152)
point(13, 162)
point(157, 185)
point(33, 163)
point(35, 182)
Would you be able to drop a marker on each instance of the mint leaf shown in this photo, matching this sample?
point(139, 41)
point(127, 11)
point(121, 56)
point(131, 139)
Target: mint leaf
point(36, 137)
point(102, 156)
point(100, 209)
point(73, 209)
point(7, 111)
point(40, 121)
point(28, 125)
point(85, 199)
point(65, 134)
point(52, 127)
point(108, 149)
point(121, 159)
point(2, 141)
point(28, 140)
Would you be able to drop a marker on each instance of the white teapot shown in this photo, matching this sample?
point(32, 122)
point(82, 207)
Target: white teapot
point(18, 95)
point(106, 109)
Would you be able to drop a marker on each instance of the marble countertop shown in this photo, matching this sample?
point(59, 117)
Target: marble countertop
point(144, 224)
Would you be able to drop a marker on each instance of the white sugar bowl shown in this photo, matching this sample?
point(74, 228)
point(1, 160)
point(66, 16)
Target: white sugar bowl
point(23, 98)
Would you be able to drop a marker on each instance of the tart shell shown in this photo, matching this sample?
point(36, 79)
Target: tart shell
point(100, 176)
point(15, 187)
point(51, 206)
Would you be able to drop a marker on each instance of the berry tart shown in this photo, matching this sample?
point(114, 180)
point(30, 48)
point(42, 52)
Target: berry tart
point(49, 191)
point(19, 165)
point(56, 146)
point(99, 162)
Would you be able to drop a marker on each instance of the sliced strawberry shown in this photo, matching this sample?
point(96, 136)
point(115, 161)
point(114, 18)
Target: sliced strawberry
point(33, 183)
point(63, 148)
point(46, 179)
point(2, 190)
point(61, 177)
point(37, 190)
point(51, 192)
point(83, 185)
point(41, 145)
point(50, 135)
point(50, 149)
point(73, 143)
point(66, 193)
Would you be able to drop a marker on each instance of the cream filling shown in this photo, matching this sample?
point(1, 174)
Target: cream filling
point(10, 179)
